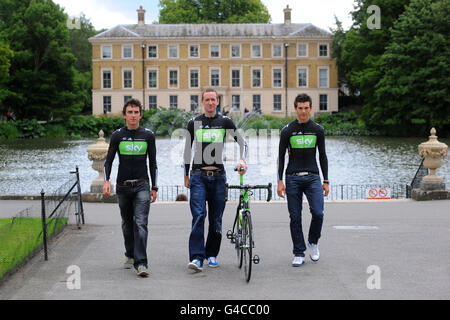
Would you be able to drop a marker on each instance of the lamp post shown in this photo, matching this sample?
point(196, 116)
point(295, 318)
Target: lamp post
point(143, 75)
point(286, 45)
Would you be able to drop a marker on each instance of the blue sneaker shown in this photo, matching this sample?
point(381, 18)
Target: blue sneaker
point(196, 265)
point(212, 262)
point(298, 261)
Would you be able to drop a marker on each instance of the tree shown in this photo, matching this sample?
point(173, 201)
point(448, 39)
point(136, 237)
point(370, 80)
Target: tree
point(79, 45)
point(42, 68)
point(6, 55)
point(210, 11)
point(363, 47)
point(415, 67)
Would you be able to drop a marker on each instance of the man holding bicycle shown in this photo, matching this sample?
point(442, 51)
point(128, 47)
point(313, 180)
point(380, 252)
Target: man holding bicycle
point(207, 178)
point(302, 138)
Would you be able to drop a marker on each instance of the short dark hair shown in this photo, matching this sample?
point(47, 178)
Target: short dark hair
point(209, 90)
point(302, 97)
point(132, 102)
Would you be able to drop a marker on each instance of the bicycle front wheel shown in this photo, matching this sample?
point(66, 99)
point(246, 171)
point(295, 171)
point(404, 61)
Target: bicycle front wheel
point(247, 244)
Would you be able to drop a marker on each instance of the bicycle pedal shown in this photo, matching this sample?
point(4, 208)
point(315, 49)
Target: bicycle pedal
point(230, 235)
point(256, 259)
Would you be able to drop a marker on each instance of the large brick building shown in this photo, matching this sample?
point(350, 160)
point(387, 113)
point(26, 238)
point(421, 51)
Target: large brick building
point(252, 66)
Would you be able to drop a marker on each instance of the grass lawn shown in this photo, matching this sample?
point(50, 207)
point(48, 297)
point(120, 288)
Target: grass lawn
point(19, 237)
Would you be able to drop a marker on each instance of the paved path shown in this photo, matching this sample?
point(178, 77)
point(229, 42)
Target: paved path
point(410, 249)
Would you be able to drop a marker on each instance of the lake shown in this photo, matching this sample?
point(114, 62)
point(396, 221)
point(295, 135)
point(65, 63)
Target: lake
point(28, 166)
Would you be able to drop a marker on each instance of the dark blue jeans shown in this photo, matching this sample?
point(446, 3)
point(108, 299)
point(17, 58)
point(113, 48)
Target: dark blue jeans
point(311, 186)
point(134, 204)
point(212, 190)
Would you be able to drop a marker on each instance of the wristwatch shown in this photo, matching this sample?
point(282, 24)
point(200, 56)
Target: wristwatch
point(155, 188)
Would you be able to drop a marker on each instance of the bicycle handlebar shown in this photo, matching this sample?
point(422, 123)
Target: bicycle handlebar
point(248, 187)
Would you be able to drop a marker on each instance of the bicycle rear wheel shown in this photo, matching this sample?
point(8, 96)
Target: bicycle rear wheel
point(247, 244)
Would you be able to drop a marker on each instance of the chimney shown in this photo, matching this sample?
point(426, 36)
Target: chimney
point(287, 15)
point(141, 17)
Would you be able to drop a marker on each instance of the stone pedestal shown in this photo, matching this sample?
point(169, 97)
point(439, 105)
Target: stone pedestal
point(432, 186)
point(97, 153)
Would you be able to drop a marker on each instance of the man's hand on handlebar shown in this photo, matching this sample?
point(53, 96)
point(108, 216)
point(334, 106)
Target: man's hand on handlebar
point(241, 167)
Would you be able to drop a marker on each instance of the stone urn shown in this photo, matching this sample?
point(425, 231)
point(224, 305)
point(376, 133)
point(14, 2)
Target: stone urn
point(432, 186)
point(433, 151)
point(97, 153)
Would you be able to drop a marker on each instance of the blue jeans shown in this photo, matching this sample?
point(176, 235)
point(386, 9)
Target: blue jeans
point(311, 186)
point(212, 190)
point(134, 204)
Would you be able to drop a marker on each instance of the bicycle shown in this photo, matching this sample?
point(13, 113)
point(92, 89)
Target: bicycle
point(242, 233)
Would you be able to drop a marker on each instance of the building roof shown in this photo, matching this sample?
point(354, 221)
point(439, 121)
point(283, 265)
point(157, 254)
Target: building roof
point(229, 30)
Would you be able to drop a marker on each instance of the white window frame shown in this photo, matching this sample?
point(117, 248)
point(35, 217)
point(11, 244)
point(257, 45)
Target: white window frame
point(260, 77)
point(170, 103)
point(111, 72)
point(232, 102)
point(125, 100)
point(152, 95)
point(324, 94)
point(210, 76)
point(231, 77)
point(260, 50)
point(307, 76)
point(111, 51)
point(123, 78)
point(318, 50)
point(168, 51)
point(231, 50)
point(306, 49)
point(110, 104)
point(148, 78)
point(169, 86)
point(210, 50)
point(281, 102)
point(157, 51)
point(281, 51)
point(198, 79)
point(318, 76)
point(123, 51)
point(190, 101)
point(198, 51)
point(273, 78)
point(253, 101)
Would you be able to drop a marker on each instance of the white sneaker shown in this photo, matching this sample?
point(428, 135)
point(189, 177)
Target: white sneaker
point(314, 253)
point(298, 261)
point(142, 271)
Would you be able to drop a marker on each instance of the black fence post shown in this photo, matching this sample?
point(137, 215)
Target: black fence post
point(80, 200)
point(44, 224)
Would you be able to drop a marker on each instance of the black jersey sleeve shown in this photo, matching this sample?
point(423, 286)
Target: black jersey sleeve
point(188, 146)
point(322, 153)
point(151, 152)
point(112, 150)
point(282, 152)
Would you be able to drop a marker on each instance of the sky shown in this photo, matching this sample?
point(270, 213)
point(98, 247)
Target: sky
point(109, 13)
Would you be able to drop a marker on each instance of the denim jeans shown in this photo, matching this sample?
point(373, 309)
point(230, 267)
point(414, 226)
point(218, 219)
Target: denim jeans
point(212, 190)
point(311, 186)
point(134, 204)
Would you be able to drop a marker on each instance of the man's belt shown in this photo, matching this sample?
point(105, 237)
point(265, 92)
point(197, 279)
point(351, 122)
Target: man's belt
point(302, 173)
point(209, 173)
point(132, 183)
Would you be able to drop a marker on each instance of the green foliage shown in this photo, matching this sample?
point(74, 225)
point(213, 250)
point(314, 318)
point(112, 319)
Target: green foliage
point(207, 11)
point(414, 89)
point(165, 121)
point(8, 130)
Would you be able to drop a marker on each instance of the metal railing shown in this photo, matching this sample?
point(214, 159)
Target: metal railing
point(337, 192)
point(421, 172)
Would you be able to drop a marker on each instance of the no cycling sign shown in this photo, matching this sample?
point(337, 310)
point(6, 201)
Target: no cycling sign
point(378, 193)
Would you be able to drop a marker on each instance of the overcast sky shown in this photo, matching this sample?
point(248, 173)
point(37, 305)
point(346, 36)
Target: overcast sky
point(109, 13)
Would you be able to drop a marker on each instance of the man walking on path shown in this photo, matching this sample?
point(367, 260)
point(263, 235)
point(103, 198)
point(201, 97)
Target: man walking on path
point(134, 144)
point(207, 178)
point(302, 137)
